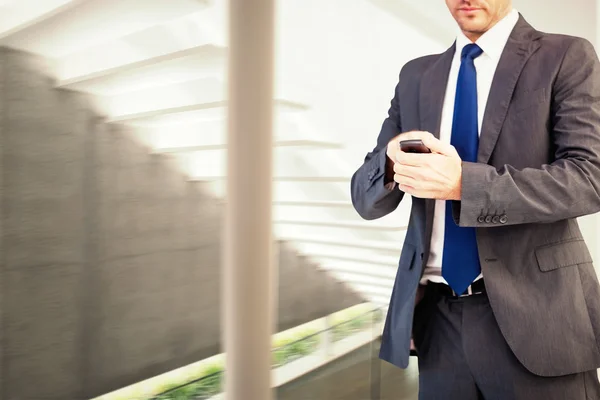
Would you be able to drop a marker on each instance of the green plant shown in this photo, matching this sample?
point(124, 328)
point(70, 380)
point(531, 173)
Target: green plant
point(294, 347)
point(351, 325)
point(208, 384)
point(181, 393)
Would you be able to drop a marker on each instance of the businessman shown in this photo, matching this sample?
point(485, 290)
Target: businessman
point(495, 284)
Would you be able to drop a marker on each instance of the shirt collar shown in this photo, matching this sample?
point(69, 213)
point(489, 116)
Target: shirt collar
point(493, 41)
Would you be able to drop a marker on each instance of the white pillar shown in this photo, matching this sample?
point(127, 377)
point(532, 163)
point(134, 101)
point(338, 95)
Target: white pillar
point(248, 260)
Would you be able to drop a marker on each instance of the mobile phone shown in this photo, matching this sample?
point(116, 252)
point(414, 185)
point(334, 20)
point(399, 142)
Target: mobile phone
point(413, 146)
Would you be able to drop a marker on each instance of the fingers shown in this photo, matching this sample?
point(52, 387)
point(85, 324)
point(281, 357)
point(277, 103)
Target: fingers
point(414, 177)
point(430, 141)
point(404, 180)
point(412, 159)
point(414, 187)
point(408, 175)
point(437, 146)
point(408, 170)
point(426, 176)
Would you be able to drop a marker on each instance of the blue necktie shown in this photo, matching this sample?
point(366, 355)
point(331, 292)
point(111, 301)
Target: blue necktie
point(460, 262)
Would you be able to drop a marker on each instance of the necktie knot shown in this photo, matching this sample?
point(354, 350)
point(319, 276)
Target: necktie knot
point(471, 51)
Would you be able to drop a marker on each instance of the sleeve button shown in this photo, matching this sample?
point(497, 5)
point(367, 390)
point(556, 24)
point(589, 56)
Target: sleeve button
point(488, 219)
point(496, 219)
point(503, 219)
point(481, 219)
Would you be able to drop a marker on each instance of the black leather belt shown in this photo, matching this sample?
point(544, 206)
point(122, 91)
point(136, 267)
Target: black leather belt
point(477, 287)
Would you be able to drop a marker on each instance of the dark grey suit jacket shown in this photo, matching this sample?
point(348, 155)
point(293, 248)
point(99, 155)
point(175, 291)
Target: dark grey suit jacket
point(538, 169)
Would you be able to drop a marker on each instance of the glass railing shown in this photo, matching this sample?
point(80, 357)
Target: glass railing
point(202, 388)
point(298, 353)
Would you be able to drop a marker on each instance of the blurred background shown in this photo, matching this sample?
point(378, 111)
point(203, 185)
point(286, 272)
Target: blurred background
point(113, 149)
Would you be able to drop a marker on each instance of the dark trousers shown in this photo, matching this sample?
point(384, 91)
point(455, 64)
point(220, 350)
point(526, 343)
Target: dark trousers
point(463, 356)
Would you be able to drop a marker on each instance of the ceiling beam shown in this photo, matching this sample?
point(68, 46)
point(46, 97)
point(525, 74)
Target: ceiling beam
point(292, 105)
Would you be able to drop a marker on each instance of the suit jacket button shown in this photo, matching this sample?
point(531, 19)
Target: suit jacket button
point(488, 219)
point(496, 219)
point(481, 219)
point(503, 219)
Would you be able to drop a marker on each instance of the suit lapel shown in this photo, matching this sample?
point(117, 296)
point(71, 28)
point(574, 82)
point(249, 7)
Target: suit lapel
point(518, 49)
point(432, 92)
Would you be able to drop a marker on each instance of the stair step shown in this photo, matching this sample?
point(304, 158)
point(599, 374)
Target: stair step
point(197, 110)
point(382, 302)
point(369, 290)
point(286, 190)
point(71, 28)
point(376, 246)
point(183, 65)
point(358, 268)
point(390, 262)
point(309, 203)
point(193, 37)
point(312, 144)
point(304, 179)
point(343, 225)
point(211, 134)
point(18, 17)
point(367, 280)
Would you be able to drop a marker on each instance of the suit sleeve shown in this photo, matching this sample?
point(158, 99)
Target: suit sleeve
point(567, 188)
point(371, 197)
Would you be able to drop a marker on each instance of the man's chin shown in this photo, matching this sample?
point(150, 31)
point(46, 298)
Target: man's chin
point(475, 27)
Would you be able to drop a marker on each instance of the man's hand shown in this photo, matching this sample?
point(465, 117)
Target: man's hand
point(393, 148)
point(430, 176)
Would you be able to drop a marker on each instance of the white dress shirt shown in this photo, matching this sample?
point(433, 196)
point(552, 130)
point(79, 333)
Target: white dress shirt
point(492, 43)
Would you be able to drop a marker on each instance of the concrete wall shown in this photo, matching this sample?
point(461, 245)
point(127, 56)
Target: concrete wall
point(110, 260)
point(43, 134)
